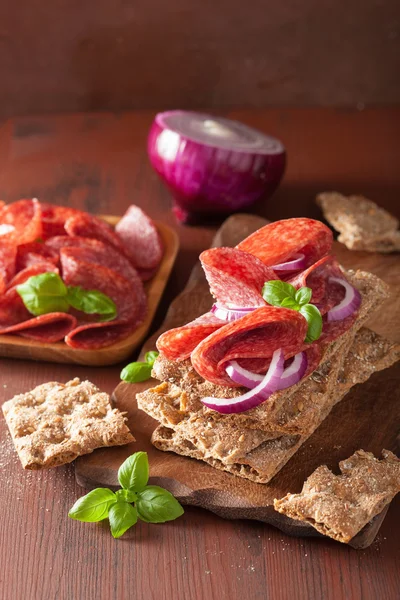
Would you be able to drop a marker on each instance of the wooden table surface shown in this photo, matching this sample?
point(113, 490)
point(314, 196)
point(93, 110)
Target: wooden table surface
point(98, 162)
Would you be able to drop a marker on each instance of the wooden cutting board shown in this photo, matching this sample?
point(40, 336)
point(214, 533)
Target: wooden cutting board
point(368, 418)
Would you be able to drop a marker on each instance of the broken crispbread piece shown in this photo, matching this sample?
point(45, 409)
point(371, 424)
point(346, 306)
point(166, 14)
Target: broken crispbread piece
point(339, 506)
point(362, 224)
point(56, 422)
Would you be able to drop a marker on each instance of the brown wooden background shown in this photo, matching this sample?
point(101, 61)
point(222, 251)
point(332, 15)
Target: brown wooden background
point(69, 55)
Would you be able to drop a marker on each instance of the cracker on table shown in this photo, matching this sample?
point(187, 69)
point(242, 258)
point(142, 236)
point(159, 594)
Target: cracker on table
point(56, 422)
point(339, 506)
point(362, 224)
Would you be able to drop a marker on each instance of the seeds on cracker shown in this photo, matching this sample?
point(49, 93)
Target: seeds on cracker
point(56, 422)
point(362, 224)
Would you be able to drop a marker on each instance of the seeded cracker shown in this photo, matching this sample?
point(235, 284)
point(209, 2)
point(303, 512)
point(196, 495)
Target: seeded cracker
point(339, 506)
point(55, 423)
point(361, 223)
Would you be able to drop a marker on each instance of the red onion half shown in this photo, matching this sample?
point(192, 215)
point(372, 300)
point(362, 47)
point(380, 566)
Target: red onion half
point(350, 303)
point(254, 397)
point(213, 165)
point(230, 314)
point(290, 376)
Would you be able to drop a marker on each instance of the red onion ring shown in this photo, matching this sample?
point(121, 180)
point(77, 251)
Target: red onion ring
point(230, 314)
point(253, 397)
point(290, 376)
point(298, 262)
point(350, 303)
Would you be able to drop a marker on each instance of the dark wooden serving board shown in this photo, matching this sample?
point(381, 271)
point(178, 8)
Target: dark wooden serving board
point(368, 418)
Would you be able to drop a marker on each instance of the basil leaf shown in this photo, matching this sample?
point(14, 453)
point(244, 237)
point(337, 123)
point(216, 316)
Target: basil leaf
point(303, 295)
point(92, 302)
point(133, 474)
point(43, 294)
point(94, 506)
point(314, 320)
point(122, 516)
point(156, 505)
point(150, 357)
point(274, 292)
point(290, 303)
point(136, 372)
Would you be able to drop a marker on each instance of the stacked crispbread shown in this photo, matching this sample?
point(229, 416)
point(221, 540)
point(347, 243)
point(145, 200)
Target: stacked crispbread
point(256, 444)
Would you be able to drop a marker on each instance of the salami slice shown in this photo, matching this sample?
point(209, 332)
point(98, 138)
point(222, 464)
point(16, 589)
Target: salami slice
point(141, 239)
point(257, 335)
point(15, 319)
point(281, 241)
point(235, 277)
point(23, 219)
point(178, 344)
point(8, 255)
point(54, 218)
point(35, 269)
point(88, 226)
point(325, 293)
point(97, 252)
point(34, 253)
point(128, 297)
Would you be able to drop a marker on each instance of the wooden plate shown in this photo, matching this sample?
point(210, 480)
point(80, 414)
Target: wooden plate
point(12, 346)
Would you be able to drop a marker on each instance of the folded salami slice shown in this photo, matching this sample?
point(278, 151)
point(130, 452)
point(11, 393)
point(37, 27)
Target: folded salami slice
point(141, 239)
point(257, 335)
point(235, 277)
point(15, 319)
point(88, 226)
point(34, 253)
point(178, 344)
point(325, 293)
point(21, 221)
point(128, 297)
point(98, 252)
point(282, 241)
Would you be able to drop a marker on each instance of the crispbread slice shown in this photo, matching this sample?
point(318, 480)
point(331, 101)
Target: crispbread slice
point(339, 506)
point(242, 452)
point(362, 224)
point(55, 423)
point(181, 397)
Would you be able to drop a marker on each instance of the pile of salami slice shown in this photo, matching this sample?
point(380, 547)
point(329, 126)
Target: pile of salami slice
point(294, 250)
point(85, 251)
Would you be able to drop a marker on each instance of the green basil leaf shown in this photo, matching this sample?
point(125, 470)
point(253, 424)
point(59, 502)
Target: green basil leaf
point(94, 506)
point(122, 516)
point(92, 302)
point(136, 372)
point(274, 292)
point(290, 303)
point(303, 295)
point(314, 320)
point(133, 474)
point(43, 294)
point(156, 505)
point(150, 357)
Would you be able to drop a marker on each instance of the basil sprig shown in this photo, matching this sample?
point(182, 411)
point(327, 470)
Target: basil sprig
point(136, 500)
point(136, 372)
point(280, 293)
point(47, 293)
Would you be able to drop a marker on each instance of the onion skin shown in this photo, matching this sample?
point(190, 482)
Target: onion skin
point(207, 180)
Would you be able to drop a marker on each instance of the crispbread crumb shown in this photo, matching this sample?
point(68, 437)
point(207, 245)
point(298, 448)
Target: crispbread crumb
point(55, 423)
point(339, 506)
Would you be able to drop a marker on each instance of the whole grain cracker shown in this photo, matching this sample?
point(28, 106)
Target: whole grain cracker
point(55, 423)
point(339, 506)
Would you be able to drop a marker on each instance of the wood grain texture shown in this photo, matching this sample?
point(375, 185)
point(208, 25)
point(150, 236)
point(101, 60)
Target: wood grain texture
point(115, 55)
point(12, 346)
point(98, 163)
point(196, 483)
